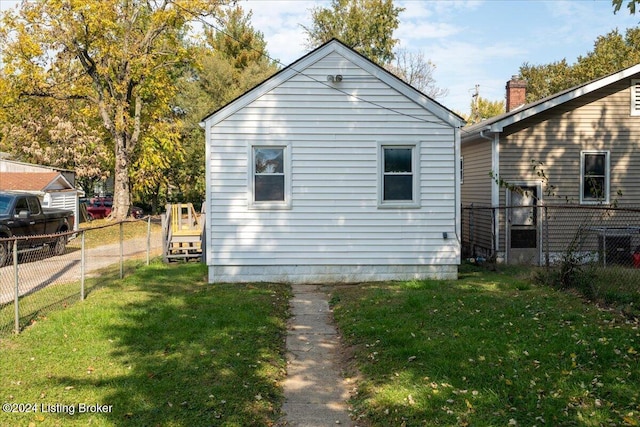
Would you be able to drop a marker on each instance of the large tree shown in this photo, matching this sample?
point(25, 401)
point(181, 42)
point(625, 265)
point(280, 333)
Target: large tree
point(413, 68)
point(120, 56)
point(632, 5)
point(482, 109)
point(232, 60)
point(547, 79)
point(56, 133)
point(611, 52)
point(365, 25)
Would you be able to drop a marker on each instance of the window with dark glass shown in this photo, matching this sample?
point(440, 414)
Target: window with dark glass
point(269, 179)
point(397, 174)
point(594, 177)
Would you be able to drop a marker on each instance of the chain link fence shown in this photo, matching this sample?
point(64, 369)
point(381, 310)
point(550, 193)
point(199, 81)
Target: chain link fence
point(42, 273)
point(607, 235)
point(595, 248)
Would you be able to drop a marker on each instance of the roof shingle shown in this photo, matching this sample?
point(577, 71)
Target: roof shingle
point(26, 181)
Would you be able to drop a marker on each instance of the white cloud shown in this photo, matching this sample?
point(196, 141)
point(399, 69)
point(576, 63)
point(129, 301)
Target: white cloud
point(410, 31)
point(280, 21)
point(414, 10)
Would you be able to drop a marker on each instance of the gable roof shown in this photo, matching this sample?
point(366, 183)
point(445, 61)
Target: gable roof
point(498, 123)
point(33, 181)
point(334, 45)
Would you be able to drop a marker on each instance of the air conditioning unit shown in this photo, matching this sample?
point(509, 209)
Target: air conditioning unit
point(615, 249)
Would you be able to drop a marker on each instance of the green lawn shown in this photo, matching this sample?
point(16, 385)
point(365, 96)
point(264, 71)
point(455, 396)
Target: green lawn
point(488, 350)
point(161, 347)
point(103, 232)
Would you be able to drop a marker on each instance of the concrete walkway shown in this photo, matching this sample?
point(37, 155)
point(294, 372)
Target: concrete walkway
point(315, 392)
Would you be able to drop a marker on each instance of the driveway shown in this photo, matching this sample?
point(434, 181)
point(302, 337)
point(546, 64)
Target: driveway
point(37, 270)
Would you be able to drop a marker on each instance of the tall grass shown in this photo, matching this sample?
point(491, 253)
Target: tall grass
point(614, 286)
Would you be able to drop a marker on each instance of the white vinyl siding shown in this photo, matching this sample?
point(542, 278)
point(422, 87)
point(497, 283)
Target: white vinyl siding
point(334, 137)
point(334, 217)
point(635, 97)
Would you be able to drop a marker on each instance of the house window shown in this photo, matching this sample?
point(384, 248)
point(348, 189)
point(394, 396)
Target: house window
point(635, 97)
point(398, 176)
point(270, 177)
point(594, 177)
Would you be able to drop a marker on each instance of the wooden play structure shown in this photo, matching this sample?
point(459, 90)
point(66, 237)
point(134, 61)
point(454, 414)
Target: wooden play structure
point(182, 230)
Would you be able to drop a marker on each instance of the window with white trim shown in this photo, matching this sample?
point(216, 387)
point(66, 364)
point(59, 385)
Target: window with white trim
point(270, 177)
point(594, 177)
point(398, 176)
point(635, 97)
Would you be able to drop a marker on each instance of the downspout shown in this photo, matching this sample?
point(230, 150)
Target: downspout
point(207, 249)
point(457, 191)
point(495, 187)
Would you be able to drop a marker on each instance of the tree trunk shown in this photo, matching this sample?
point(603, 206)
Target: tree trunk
point(121, 194)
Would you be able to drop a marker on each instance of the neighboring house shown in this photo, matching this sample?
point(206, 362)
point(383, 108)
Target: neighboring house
point(9, 165)
point(332, 170)
point(53, 186)
point(585, 143)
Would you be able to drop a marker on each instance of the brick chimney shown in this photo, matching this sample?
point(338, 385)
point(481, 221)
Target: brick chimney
point(516, 92)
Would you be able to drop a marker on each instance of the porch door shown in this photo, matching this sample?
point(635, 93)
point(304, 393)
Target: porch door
point(523, 227)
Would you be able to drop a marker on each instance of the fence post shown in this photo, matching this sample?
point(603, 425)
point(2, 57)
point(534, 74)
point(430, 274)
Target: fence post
point(82, 266)
point(121, 250)
point(546, 238)
point(16, 296)
point(494, 244)
point(472, 231)
point(148, 238)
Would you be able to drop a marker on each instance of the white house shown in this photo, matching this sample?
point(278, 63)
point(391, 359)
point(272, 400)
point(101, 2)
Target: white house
point(332, 170)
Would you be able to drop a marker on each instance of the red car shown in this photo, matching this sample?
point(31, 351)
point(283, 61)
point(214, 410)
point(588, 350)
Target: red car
point(99, 207)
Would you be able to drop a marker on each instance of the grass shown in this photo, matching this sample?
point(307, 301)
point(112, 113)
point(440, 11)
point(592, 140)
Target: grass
point(103, 232)
point(490, 349)
point(97, 233)
point(615, 285)
point(36, 306)
point(161, 347)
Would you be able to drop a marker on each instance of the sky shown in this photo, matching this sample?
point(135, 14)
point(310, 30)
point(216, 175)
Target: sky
point(471, 42)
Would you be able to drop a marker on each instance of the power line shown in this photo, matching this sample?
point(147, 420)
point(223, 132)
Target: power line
point(291, 67)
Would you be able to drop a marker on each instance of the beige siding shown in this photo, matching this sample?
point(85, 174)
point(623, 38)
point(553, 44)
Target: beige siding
point(476, 192)
point(476, 188)
point(597, 121)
